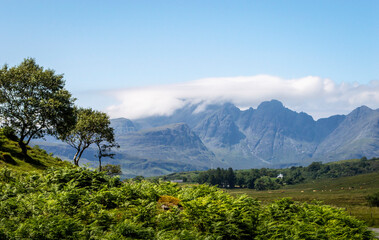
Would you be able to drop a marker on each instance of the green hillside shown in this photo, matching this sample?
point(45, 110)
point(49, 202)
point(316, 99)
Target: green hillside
point(38, 160)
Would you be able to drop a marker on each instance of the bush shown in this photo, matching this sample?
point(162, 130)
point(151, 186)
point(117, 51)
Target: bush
point(112, 170)
point(10, 133)
point(265, 183)
point(373, 200)
point(76, 203)
point(286, 219)
point(6, 157)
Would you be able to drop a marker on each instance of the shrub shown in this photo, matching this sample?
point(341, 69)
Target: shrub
point(76, 203)
point(10, 133)
point(112, 170)
point(373, 200)
point(6, 157)
point(265, 183)
point(286, 219)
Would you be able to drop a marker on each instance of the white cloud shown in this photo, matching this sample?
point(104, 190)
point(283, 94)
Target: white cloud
point(313, 95)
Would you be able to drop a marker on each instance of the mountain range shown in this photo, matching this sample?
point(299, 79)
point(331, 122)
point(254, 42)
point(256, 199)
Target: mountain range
point(198, 138)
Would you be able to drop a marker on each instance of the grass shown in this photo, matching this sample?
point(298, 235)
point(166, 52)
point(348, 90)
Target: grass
point(346, 192)
point(37, 160)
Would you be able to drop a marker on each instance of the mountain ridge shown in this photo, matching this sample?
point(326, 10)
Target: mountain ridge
point(270, 134)
point(225, 136)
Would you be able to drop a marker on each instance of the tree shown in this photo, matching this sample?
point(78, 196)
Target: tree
point(314, 166)
point(264, 183)
point(231, 178)
point(33, 102)
point(104, 147)
point(91, 127)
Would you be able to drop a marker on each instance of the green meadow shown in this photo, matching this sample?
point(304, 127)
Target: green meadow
point(348, 193)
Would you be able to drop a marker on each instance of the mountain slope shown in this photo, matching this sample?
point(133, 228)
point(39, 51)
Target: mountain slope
point(272, 135)
point(176, 143)
point(196, 137)
point(356, 136)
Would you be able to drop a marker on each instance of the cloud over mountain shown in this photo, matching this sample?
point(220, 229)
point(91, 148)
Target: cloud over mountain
point(314, 95)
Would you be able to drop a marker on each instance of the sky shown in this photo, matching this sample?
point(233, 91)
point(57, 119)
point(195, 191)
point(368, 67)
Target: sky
point(139, 58)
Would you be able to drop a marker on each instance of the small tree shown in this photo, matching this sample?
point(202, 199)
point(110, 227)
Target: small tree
point(231, 178)
point(112, 170)
point(91, 127)
point(104, 148)
point(265, 183)
point(33, 102)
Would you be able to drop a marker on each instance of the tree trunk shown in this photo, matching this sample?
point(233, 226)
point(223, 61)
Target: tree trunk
point(76, 160)
point(80, 155)
point(23, 147)
point(99, 164)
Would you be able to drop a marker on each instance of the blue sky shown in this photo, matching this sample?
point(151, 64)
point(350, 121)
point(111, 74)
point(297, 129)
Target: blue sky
point(104, 46)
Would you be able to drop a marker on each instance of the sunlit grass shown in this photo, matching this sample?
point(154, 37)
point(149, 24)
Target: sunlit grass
point(348, 193)
point(38, 159)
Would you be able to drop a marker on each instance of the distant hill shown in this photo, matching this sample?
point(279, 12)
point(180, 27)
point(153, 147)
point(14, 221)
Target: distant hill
point(197, 137)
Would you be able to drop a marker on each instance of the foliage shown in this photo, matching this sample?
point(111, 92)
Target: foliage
point(112, 170)
point(220, 177)
point(10, 133)
point(33, 102)
point(293, 175)
point(285, 219)
point(373, 199)
point(78, 203)
point(346, 192)
point(92, 127)
point(265, 183)
point(37, 159)
point(138, 178)
point(104, 148)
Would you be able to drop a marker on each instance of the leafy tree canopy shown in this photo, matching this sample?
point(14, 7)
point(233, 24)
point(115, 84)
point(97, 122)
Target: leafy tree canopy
point(34, 102)
point(92, 127)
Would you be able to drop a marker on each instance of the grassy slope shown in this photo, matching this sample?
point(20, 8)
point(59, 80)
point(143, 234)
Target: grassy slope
point(12, 158)
point(345, 192)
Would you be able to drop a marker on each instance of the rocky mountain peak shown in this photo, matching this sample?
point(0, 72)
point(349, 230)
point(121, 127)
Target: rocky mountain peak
point(272, 105)
point(122, 126)
point(360, 112)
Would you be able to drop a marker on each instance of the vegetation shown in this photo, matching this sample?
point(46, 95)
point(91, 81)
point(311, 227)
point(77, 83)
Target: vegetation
point(264, 178)
point(11, 156)
point(221, 177)
point(33, 102)
point(111, 170)
point(104, 148)
point(348, 193)
point(92, 127)
point(373, 199)
point(76, 203)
